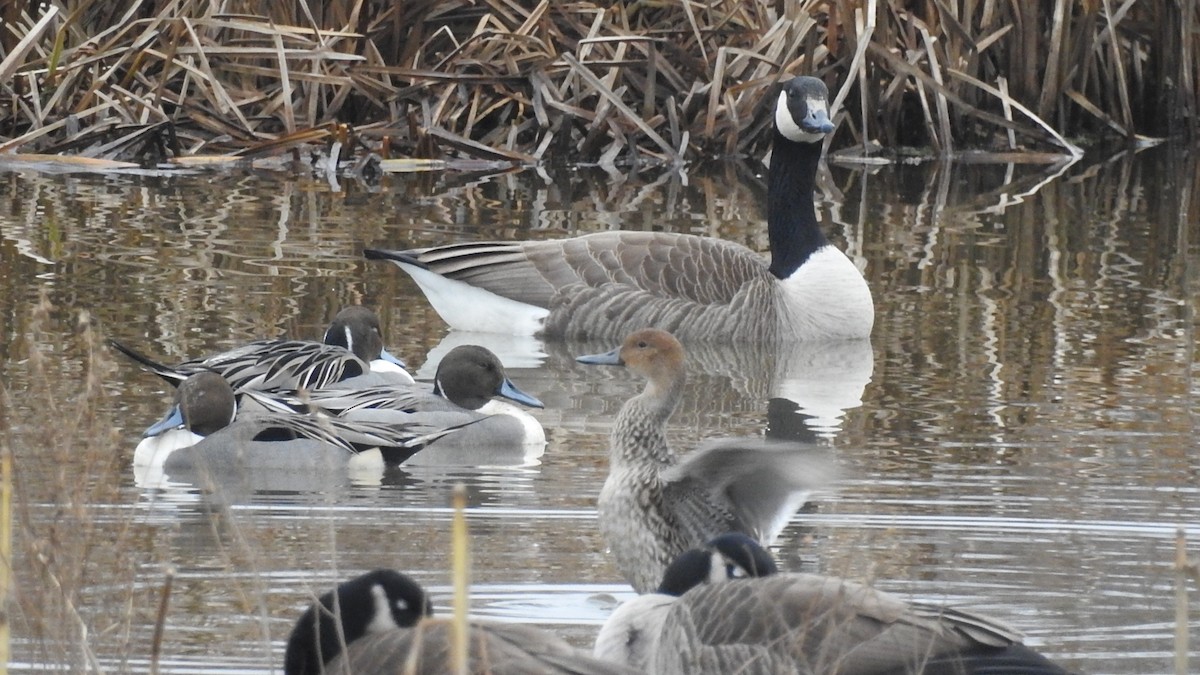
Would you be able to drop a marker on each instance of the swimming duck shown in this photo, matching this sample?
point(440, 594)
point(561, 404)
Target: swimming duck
point(204, 429)
point(724, 609)
point(654, 507)
point(352, 348)
point(607, 284)
point(384, 620)
point(467, 387)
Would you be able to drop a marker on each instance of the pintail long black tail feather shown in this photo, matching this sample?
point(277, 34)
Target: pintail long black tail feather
point(162, 370)
point(406, 257)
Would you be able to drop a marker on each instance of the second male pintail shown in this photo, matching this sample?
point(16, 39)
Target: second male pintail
point(352, 348)
point(468, 386)
point(607, 284)
point(382, 623)
point(654, 506)
point(204, 431)
point(724, 608)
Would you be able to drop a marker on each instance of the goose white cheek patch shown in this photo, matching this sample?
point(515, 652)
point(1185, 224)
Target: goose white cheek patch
point(382, 619)
point(787, 125)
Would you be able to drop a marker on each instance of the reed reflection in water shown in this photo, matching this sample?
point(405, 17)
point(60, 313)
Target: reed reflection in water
point(1018, 435)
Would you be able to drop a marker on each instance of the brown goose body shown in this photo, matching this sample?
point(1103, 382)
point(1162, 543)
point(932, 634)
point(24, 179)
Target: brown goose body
point(724, 608)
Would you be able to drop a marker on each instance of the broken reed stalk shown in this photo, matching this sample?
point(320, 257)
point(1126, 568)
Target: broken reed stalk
point(1184, 568)
point(6, 489)
point(461, 561)
point(160, 621)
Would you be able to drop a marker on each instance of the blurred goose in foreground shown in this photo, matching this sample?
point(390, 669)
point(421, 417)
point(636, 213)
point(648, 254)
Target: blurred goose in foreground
point(204, 430)
point(653, 506)
point(352, 348)
point(468, 386)
point(763, 622)
point(384, 621)
point(607, 284)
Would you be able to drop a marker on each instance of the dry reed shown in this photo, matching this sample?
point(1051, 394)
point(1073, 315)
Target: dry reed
point(1185, 568)
point(523, 81)
point(65, 465)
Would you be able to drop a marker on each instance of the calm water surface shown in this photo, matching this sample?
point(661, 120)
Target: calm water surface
point(1019, 436)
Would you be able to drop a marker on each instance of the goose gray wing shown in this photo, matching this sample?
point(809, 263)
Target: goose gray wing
point(499, 649)
point(750, 485)
point(815, 624)
point(680, 266)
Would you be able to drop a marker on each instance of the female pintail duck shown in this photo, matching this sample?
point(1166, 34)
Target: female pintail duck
point(203, 430)
point(607, 284)
point(724, 609)
point(468, 387)
point(384, 621)
point(352, 348)
point(653, 506)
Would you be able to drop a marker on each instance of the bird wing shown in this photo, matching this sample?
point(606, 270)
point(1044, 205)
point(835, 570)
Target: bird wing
point(817, 624)
point(264, 364)
point(758, 483)
point(665, 264)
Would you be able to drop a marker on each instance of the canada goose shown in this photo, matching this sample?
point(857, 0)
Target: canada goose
point(653, 506)
point(468, 384)
point(607, 284)
point(381, 622)
point(203, 429)
point(352, 348)
point(763, 622)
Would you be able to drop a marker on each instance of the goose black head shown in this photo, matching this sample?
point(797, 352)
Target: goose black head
point(725, 558)
point(802, 112)
point(374, 602)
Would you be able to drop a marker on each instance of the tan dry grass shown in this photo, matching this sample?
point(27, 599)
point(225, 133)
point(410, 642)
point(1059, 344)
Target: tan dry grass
point(518, 80)
point(62, 544)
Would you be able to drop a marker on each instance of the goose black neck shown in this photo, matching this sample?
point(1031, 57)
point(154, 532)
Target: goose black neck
point(791, 216)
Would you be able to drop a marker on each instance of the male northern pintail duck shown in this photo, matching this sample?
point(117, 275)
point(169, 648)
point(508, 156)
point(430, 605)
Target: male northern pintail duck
point(204, 430)
point(607, 284)
point(352, 349)
point(384, 622)
point(653, 506)
point(468, 386)
point(724, 609)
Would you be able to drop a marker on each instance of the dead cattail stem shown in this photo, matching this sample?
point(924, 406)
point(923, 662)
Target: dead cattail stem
point(1184, 568)
point(462, 581)
point(160, 621)
point(6, 559)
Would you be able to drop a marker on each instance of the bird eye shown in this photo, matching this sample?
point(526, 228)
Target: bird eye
point(642, 344)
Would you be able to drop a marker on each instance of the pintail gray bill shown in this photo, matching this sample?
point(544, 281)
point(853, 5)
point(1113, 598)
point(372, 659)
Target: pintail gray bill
point(352, 348)
point(703, 289)
point(724, 609)
point(654, 506)
point(385, 622)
